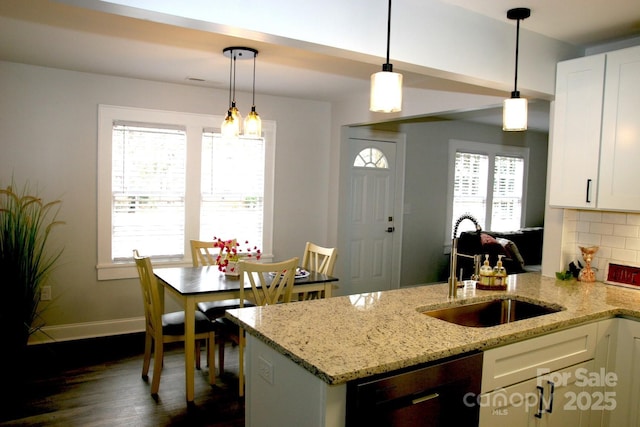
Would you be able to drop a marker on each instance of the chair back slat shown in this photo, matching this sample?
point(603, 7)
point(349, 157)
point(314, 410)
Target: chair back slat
point(319, 259)
point(271, 283)
point(204, 253)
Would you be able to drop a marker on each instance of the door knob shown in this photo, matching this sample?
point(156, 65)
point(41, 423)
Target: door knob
point(390, 229)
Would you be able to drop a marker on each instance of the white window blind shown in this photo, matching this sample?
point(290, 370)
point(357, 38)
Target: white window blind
point(232, 189)
point(148, 187)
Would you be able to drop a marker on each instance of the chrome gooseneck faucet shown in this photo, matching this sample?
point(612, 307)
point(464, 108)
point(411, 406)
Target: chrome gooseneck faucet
point(453, 282)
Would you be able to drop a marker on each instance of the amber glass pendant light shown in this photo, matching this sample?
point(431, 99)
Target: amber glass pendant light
point(253, 123)
point(230, 125)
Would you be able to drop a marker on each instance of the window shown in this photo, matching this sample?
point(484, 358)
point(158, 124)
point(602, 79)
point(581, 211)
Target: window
point(165, 178)
point(489, 183)
point(148, 185)
point(371, 157)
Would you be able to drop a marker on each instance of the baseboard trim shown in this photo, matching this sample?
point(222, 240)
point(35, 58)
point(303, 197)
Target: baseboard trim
point(78, 331)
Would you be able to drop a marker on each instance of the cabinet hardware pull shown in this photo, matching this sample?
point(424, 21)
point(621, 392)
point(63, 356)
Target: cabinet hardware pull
point(553, 388)
point(588, 200)
point(424, 398)
point(540, 399)
point(391, 229)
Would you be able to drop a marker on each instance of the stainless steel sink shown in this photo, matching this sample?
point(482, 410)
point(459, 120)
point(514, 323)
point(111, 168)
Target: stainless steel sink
point(491, 313)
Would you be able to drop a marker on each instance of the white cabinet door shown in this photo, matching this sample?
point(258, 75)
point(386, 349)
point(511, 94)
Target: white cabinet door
point(604, 362)
point(513, 406)
point(560, 398)
point(627, 369)
point(620, 150)
point(570, 401)
point(575, 144)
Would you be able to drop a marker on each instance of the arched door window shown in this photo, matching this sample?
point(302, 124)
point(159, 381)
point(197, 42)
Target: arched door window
point(371, 157)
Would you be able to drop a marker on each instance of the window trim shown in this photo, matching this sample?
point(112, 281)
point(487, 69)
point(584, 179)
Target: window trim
point(491, 150)
point(194, 124)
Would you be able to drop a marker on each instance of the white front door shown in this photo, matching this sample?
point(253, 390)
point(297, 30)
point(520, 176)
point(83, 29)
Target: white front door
point(371, 238)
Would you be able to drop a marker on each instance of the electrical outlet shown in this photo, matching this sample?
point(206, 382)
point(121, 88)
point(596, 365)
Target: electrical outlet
point(265, 369)
point(45, 293)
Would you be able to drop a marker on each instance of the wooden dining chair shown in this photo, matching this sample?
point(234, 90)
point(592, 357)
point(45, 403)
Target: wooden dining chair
point(319, 259)
point(161, 328)
point(271, 283)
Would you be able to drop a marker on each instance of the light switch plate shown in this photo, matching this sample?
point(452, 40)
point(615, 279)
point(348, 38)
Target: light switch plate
point(265, 369)
point(45, 293)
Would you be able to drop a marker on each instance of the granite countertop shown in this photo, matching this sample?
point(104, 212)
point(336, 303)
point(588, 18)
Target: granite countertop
point(345, 338)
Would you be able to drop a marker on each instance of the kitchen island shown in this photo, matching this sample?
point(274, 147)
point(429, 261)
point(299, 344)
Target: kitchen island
point(347, 338)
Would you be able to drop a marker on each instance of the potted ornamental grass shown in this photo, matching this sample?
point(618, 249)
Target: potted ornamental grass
point(26, 263)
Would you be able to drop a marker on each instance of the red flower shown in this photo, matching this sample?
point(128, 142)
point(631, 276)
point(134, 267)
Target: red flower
point(229, 249)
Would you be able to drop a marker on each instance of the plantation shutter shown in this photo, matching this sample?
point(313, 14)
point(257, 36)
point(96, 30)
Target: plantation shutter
point(148, 190)
point(470, 188)
point(507, 193)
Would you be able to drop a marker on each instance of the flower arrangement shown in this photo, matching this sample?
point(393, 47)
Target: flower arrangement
point(230, 254)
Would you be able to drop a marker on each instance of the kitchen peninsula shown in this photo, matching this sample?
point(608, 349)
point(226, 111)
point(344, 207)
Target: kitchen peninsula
point(307, 352)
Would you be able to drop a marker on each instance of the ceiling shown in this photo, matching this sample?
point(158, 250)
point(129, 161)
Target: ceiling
point(578, 22)
point(53, 34)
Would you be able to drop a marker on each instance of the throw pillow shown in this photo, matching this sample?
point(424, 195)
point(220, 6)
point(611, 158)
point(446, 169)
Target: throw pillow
point(512, 250)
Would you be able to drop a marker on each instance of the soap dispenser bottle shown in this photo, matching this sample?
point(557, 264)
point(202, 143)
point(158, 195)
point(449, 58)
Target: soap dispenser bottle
point(486, 275)
point(499, 275)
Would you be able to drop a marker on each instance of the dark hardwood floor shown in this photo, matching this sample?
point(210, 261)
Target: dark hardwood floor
point(98, 382)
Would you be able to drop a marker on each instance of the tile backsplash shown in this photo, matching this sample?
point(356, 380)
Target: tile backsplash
point(617, 234)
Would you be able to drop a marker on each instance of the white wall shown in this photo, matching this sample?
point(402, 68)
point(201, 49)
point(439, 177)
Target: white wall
point(48, 119)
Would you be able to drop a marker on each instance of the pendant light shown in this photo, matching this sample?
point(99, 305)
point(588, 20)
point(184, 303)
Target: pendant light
point(253, 123)
point(386, 86)
point(514, 112)
point(231, 125)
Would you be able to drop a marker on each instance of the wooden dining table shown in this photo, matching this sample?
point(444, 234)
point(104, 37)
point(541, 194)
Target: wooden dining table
point(191, 285)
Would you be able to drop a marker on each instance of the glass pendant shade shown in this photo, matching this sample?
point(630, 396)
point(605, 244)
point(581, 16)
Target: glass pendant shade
point(253, 124)
point(514, 111)
point(386, 86)
point(386, 92)
point(514, 114)
point(230, 128)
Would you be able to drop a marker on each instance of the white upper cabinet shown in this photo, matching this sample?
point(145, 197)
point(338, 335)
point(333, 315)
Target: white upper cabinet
point(619, 186)
point(595, 147)
point(575, 145)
